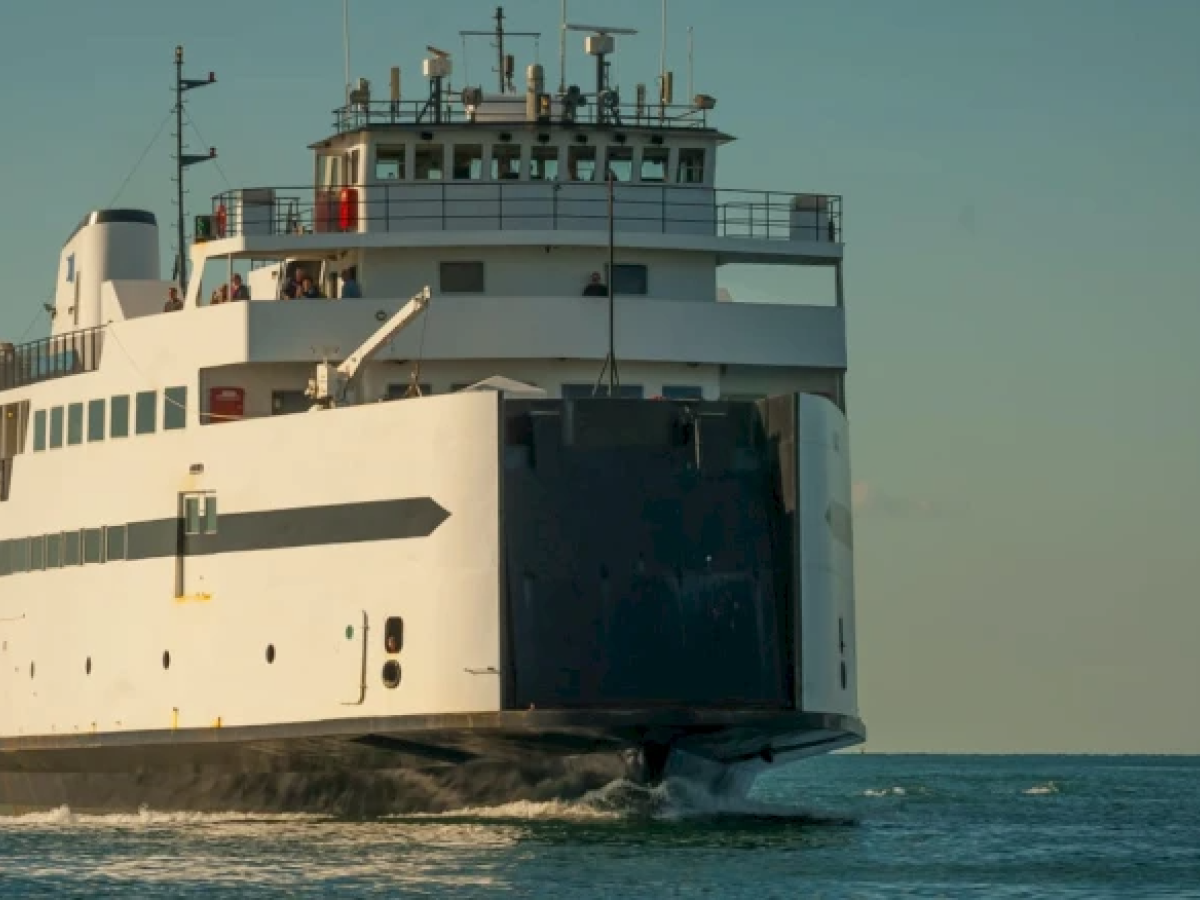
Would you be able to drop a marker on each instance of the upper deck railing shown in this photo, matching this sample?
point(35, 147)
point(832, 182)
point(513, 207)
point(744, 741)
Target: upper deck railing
point(529, 205)
point(54, 357)
point(511, 111)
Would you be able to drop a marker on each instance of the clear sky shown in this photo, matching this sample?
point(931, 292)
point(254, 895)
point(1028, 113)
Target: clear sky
point(1022, 202)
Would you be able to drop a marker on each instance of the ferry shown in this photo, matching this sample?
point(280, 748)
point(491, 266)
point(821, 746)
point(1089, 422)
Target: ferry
point(475, 488)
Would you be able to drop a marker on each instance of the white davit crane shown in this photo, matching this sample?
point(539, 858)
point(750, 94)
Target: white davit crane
point(332, 382)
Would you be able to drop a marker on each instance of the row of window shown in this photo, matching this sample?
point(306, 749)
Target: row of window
point(82, 547)
point(108, 418)
point(467, 277)
point(428, 161)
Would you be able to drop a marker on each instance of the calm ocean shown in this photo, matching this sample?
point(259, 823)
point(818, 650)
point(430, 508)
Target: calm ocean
point(843, 826)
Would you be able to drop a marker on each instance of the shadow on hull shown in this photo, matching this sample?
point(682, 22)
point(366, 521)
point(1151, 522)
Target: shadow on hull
point(377, 767)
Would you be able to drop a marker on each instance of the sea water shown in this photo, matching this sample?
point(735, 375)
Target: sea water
point(848, 825)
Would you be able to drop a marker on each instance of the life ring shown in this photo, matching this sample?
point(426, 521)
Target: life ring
point(221, 219)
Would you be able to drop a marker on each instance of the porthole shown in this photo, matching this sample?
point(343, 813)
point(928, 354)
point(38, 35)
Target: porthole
point(393, 634)
point(88, 667)
point(391, 674)
point(166, 659)
point(270, 653)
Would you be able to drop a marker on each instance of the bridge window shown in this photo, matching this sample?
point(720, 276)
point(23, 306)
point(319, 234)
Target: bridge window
point(95, 420)
point(286, 402)
point(581, 163)
point(115, 538)
point(544, 163)
point(75, 424)
point(56, 427)
point(584, 391)
point(629, 279)
point(39, 431)
point(91, 545)
point(691, 166)
point(429, 162)
point(146, 412)
point(506, 161)
point(118, 420)
point(682, 392)
point(461, 277)
point(37, 553)
point(389, 164)
point(174, 408)
point(53, 551)
point(654, 164)
point(71, 548)
point(468, 162)
point(620, 163)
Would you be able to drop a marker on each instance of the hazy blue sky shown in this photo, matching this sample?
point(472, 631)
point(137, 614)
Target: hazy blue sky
point(1022, 202)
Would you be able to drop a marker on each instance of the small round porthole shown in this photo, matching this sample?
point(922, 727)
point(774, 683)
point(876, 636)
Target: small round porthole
point(270, 653)
point(391, 674)
point(88, 667)
point(166, 659)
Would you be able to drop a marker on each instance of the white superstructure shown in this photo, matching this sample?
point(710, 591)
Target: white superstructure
point(225, 557)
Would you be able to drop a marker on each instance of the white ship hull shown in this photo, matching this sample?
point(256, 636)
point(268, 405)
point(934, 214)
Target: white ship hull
point(585, 588)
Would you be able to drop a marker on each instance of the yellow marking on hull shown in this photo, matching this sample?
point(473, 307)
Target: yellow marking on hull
point(194, 598)
point(216, 722)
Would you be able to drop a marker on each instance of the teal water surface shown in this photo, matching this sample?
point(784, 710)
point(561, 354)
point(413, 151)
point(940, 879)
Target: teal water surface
point(849, 825)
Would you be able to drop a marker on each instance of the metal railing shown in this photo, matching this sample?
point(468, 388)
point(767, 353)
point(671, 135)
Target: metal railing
point(530, 205)
point(72, 353)
point(493, 112)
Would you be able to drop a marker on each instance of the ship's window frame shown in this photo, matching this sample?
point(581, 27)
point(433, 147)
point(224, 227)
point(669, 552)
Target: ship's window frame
point(541, 158)
point(116, 543)
point(466, 276)
point(658, 157)
point(199, 514)
point(54, 555)
point(579, 155)
point(682, 392)
point(93, 546)
point(467, 162)
point(629, 279)
point(388, 158)
point(56, 427)
point(502, 157)
point(39, 431)
point(618, 159)
point(175, 408)
point(118, 416)
point(74, 424)
point(429, 157)
point(145, 414)
point(96, 413)
point(690, 169)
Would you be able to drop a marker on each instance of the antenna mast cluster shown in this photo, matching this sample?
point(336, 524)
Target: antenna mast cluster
point(505, 63)
point(183, 160)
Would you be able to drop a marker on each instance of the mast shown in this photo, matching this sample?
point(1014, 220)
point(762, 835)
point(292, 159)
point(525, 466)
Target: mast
point(183, 160)
point(500, 46)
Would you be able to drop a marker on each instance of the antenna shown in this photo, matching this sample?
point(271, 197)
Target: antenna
point(346, 43)
point(599, 43)
point(562, 50)
point(691, 91)
point(662, 54)
point(504, 68)
point(183, 160)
